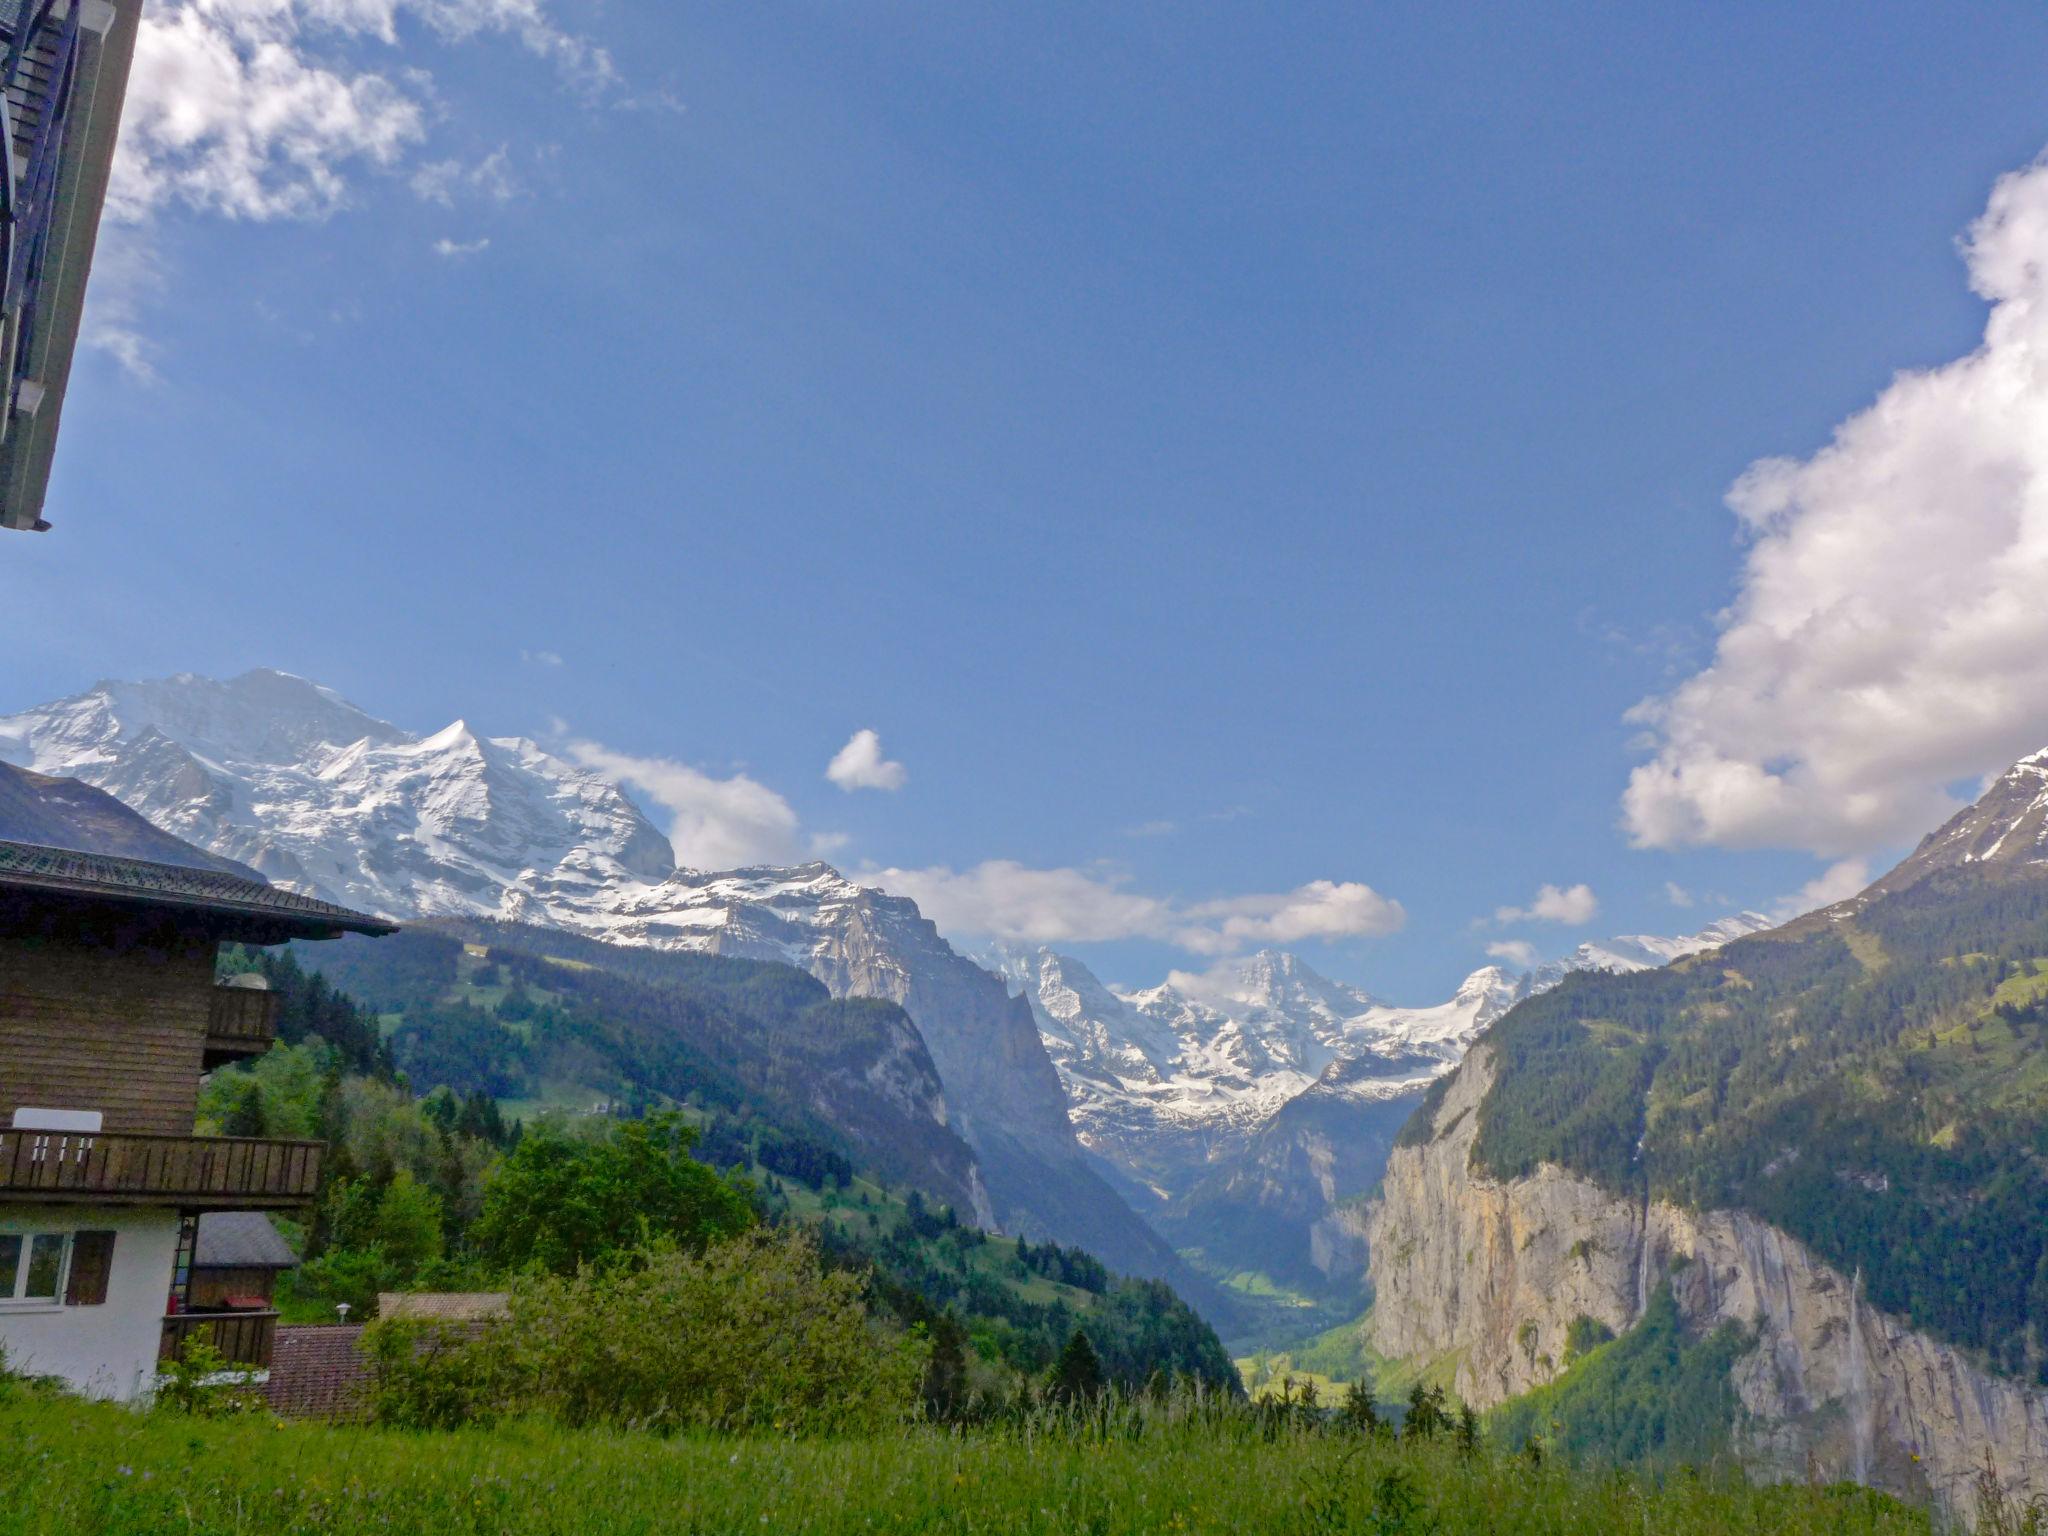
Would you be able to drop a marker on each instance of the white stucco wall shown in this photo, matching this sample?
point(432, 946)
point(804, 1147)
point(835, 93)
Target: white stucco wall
point(107, 1350)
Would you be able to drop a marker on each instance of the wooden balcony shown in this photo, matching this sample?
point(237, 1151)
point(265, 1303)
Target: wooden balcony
point(243, 1023)
point(196, 1173)
point(243, 1338)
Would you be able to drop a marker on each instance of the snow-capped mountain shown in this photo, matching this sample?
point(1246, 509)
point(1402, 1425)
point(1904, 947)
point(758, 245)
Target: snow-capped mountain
point(1251, 1101)
point(292, 779)
point(1643, 952)
point(2007, 825)
point(1166, 1080)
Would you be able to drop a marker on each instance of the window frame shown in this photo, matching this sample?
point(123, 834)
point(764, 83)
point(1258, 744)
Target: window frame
point(11, 1286)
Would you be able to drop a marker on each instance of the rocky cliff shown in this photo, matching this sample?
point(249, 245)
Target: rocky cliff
point(1491, 1274)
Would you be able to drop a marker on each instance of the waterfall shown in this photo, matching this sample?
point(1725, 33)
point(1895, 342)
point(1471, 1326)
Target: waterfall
point(1861, 1409)
point(1643, 1262)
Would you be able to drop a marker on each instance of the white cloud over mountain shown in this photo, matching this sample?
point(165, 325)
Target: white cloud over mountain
point(715, 823)
point(1012, 902)
point(1888, 638)
point(1569, 905)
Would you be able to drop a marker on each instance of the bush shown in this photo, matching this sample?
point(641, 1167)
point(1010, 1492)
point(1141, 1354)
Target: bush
point(436, 1375)
point(751, 1335)
point(202, 1382)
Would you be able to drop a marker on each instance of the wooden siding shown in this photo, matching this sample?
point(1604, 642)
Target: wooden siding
point(118, 1029)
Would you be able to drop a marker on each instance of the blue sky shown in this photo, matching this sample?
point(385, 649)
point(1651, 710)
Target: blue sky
point(1216, 449)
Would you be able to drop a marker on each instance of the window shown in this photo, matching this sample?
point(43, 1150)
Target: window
point(32, 1265)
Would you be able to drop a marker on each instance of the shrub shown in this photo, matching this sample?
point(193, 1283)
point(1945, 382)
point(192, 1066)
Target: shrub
point(202, 1382)
point(436, 1375)
point(751, 1335)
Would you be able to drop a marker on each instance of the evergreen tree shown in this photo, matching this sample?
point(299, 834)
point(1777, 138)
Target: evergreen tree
point(1468, 1430)
point(1077, 1375)
point(1427, 1413)
point(1359, 1413)
point(945, 1371)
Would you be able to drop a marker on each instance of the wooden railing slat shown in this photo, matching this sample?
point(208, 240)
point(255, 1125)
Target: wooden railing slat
point(119, 1163)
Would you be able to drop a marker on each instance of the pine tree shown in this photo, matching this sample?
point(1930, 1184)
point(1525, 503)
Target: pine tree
point(1468, 1430)
point(1359, 1413)
point(1077, 1376)
point(1427, 1414)
point(945, 1373)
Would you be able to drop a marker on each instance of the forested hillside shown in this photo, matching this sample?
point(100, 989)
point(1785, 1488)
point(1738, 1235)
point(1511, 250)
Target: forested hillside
point(708, 1065)
point(1872, 1079)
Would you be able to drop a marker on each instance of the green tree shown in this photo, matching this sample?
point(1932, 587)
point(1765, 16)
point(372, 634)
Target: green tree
point(407, 1226)
point(1358, 1412)
point(1428, 1416)
point(1077, 1374)
point(560, 1201)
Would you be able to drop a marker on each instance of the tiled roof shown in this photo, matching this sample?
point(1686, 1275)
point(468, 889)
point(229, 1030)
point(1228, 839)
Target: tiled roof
point(317, 1372)
point(442, 1306)
point(241, 1240)
point(32, 868)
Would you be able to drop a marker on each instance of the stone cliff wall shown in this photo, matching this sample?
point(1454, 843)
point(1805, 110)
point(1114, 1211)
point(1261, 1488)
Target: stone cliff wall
point(1492, 1274)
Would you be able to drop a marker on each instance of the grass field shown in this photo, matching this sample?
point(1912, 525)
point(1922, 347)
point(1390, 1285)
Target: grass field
point(72, 1468)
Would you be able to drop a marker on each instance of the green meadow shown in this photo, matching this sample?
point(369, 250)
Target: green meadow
point(75, 1467)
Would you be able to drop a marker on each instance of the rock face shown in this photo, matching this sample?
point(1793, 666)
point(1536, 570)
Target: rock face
point(1492, 1274)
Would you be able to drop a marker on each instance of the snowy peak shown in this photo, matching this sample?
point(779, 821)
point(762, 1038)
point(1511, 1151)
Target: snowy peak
point(2008, 825)
point(285, 775)
point(1643, 952)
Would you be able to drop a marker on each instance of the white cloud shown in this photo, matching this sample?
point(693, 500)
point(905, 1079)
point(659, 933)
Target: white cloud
point(1677, 894)
point(1322, 909)
point(1888, 636)
point(1838, 882)
point(454, 250)
point(1007, 900)
point(491, 178)
point(1570, 905)
point(227, 112)
point(541, 658)
point(1517, 952)
point(230, 109)
point(1003, 899)
point(860, 765)
point(1160, 828)
point(718, 823)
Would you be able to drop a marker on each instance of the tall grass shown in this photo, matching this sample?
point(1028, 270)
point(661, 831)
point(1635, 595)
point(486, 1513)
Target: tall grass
point(72, 1467)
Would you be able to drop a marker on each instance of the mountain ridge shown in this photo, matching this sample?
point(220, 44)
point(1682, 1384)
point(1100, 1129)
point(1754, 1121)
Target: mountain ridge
point(316, 793)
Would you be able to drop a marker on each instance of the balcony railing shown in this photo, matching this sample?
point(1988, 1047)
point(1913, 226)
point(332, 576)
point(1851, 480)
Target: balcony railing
point(201, 1173)
point(241, 1023)
point(243, 1338)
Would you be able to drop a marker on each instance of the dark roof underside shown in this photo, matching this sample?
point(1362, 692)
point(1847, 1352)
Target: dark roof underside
point(241, 1240)
point(237, 904)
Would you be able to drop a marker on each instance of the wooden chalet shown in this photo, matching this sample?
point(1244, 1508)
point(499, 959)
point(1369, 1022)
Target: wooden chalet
point(109, 1016)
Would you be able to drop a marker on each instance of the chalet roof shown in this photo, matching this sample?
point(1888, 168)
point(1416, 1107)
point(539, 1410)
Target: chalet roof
point(444, 1306)
point(241, 1240)
point(241, 907)
point(317, 1372)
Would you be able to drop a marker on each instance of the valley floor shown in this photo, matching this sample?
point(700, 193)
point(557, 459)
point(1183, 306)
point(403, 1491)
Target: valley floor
point(73, 1467)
